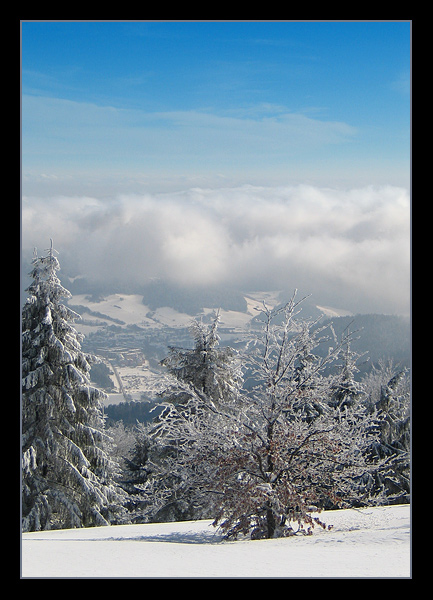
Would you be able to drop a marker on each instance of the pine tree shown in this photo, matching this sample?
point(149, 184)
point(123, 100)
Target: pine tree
point(348, 391)
point(137, 472)
point(207, 371)
point(67, 475)
point(394, 443)
point(306, 376)
point(207, 368)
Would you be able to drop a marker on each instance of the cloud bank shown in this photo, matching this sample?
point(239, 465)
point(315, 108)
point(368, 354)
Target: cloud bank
point(349, 248)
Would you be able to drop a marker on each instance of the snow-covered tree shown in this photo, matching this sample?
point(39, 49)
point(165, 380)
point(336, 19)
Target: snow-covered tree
point(389, 394)
point(348, 391)
point(302, 452)
point(282, 450)
point(68, 479)
point(137, 473)
point(208, 368)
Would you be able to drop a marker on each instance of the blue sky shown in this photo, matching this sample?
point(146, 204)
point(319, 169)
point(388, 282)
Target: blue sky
point(260, 155)
point(247, 102)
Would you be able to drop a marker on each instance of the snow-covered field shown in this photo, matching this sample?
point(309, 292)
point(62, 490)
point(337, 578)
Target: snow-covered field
point(367, 543)
point(129, 309)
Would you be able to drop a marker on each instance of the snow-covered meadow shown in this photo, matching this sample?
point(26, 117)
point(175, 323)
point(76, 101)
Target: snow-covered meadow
point(373, 542)
point(129, 309)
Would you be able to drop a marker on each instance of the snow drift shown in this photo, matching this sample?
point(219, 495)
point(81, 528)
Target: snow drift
point(368, 543)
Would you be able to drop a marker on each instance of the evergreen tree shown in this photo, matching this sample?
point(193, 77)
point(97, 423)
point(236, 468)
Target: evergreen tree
point(306, 376)
point(394, 440)
point(348, 391)
point(137, 472)
point(207, 368)
point(207, 371)
point(68, 479)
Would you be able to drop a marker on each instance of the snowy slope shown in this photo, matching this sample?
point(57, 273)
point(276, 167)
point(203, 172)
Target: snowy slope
point(128, 309)
point(372, 542)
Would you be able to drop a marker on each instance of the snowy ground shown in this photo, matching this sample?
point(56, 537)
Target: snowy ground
point(368, 543)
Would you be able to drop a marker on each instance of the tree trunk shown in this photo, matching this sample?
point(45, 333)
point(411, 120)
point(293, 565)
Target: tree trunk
point(271, 523)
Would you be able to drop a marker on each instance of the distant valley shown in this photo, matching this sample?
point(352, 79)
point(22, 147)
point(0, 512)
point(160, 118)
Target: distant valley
point(131, 332)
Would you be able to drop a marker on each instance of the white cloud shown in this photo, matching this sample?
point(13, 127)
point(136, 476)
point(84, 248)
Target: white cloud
point(349, 248)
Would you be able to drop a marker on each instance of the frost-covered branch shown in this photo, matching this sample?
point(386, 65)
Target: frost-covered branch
point(275, 450)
